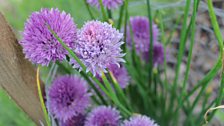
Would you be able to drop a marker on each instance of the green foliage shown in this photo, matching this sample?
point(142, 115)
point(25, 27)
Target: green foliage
point(11, 115)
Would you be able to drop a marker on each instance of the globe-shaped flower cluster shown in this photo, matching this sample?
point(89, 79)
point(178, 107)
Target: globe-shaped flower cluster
point(68, 97)
point(39, 45)
point(103, 116)
point(141, 38)
point(98, 46)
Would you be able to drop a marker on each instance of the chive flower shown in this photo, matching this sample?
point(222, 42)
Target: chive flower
point(78, 120)
point(98, 46)
point(68, 97)
point(139, 121)
point(103, 116)
point(109, 4)
point(140, 29)
point(39, 44)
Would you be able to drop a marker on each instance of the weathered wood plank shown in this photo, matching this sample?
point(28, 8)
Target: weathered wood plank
point(17, 75)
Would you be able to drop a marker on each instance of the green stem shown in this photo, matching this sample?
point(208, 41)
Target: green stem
point(102, 10)
point(137, 67)
point(151, 42)
point(120, 17)
point(94, 88)
point(165, 84)
point(110, 16)
point(180, 53)
point(88, 8)
point(215, 25)
point(63, 67)
point(180, 99)
point(204, 109)
point(182, 43)
point(208, 77)
point(125, 26)
point(220, 41)
point(119, 91)
point(43, 106)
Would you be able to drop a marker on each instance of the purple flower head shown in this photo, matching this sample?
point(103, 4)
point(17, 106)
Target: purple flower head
point(103, 116)
point(109, 4)
point(141, 33)
point(141, 37)
point(68, 97)
point(139, 121)
point(78, 120)
point(98, 46)
point(39, 45)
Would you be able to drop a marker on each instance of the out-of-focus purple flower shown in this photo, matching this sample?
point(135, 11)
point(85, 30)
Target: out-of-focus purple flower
point(39, 45)
point(98, 46)
point(103, 116)
point(141, 33)
point(139, 121)
point(158, 54)
point(68, 97)
point(78, 120)
point(141, 37)
point(109, 4)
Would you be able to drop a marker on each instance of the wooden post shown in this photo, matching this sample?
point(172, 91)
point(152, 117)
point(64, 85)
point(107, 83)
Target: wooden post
point(17, 75)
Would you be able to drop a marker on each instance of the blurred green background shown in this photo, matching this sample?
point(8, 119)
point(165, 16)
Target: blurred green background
point(17, 11)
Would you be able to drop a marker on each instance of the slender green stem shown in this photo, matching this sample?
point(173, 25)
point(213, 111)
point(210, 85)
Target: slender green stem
point(94, 88)
point(198, 97)
point(64, 67)
point(151, 43)
point(215, 25)
point(180, 53)
point(119, 90)
point(182, 42)
point(208, 77)
point(180, 99)
point(109, 13)
point(103, 10)
point(220, 41)
point(107, 84)
point(110, 89)
point(220, 96)
point(43, 106)
point(204, 109)
point(218, 64)
point(137, 65)
point(125, 26)
point(165, 84)
point(121, 13)
point(89, 10)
